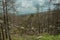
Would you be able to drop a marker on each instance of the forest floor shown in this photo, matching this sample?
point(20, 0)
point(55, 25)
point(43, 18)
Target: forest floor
point(34, 37)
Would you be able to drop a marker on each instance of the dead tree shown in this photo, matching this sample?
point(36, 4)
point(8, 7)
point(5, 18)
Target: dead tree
point(2, 32)
point(6, 20)
point(55, 16)
point(38, 6)
point(57, 8)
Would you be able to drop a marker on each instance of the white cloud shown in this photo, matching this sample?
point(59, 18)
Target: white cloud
point(27, 4)
point(41, 2)
point(24, 4)
point(56, 1)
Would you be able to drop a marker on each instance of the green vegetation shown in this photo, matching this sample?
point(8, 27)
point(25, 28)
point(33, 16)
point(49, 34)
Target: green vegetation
point(43, 37)
point(49, 37)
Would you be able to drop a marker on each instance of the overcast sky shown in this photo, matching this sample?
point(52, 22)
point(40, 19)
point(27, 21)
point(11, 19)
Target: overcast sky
point(29, 6)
